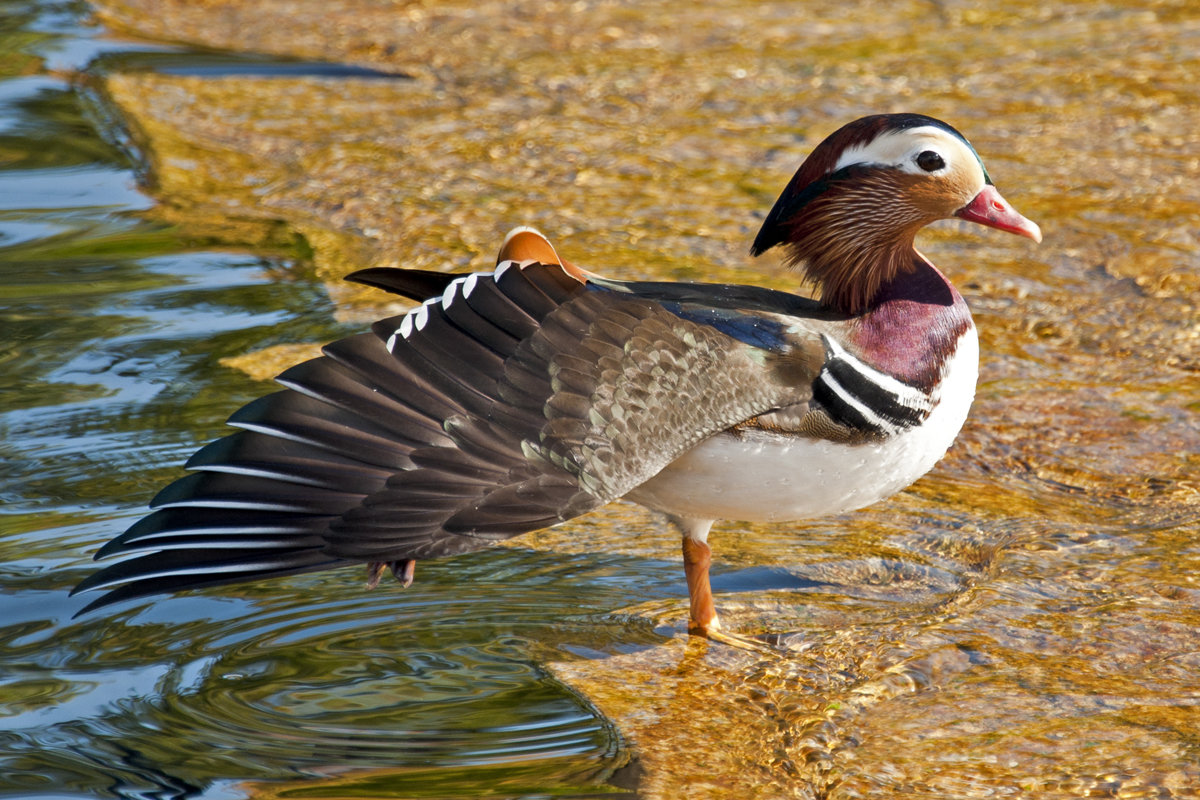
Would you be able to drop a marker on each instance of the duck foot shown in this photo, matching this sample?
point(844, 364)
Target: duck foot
point(403, 571)
point(697, 558)
point(740, 641)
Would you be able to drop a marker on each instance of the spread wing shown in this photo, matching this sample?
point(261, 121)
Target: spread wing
point(611, 388)
point(511, 401)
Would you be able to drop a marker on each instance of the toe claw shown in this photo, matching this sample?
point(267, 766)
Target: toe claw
point(403, 571)
point(739, 641)
point(374, 573)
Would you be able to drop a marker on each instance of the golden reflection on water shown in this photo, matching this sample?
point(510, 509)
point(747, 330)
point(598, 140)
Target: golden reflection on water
point(1024, 621)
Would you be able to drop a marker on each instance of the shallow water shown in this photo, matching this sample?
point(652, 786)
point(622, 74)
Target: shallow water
point(1026, 619)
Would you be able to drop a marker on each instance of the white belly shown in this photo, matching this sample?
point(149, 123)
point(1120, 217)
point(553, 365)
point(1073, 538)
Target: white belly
point(768, 477)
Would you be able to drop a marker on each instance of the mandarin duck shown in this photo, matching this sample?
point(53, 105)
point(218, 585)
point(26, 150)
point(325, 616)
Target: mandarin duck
point(519, 398)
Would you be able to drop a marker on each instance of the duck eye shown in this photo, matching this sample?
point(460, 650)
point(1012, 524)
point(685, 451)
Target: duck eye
point(930, 161)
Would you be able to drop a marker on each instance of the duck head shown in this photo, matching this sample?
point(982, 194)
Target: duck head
point(851, 212)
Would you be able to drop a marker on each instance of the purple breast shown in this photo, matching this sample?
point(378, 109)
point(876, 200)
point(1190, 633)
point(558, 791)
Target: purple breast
point(913, 326)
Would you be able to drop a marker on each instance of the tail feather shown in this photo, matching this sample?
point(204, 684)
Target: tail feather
point(468, 370)
point(374, 366)
point(224, 490)
point(331, 383)
point(483, 466)
point(480, 328)
point(326, 428)
point(255, 454)
point(148, 575)
point(433, 371)
point(415, 284)
point(183, 563)
point(484, 298)
point(175, 528)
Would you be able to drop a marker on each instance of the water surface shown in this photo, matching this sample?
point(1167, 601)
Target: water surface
point(1025, 620)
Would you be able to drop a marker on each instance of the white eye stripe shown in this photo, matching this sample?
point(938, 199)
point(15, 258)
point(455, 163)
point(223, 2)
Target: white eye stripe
point(900, 148)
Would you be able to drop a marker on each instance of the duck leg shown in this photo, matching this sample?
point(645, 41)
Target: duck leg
point(697, 558)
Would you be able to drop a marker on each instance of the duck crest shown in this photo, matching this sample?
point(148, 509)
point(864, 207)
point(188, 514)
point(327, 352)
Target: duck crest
point(824, 158)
